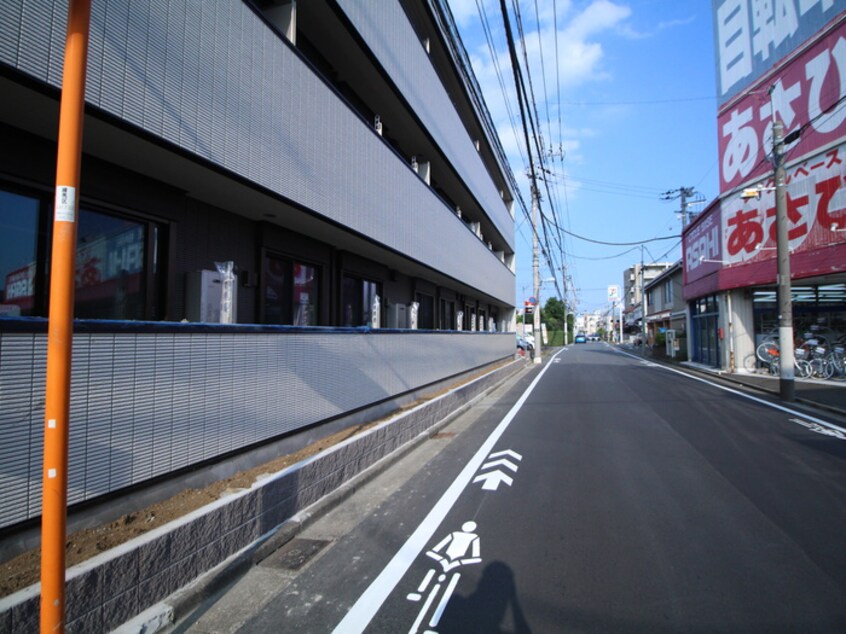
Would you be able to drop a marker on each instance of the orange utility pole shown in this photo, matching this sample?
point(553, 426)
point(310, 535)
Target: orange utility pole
point(60, 329)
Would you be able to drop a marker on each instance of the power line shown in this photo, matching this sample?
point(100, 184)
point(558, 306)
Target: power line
point(607, 257)
point(645, 102)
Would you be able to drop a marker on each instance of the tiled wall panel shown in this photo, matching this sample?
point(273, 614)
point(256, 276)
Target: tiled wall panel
point(145, 404)
point(391, 38)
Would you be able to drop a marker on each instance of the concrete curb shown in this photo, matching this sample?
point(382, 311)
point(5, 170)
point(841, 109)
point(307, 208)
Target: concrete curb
point(127, 587)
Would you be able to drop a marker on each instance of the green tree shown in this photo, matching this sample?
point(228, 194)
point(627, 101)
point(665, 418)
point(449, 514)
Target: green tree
point(553, 314)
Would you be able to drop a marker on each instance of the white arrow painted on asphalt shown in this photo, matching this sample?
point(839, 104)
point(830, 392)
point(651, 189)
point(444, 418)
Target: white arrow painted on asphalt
point(493, 479)
point(506, 452)
point(502, 462)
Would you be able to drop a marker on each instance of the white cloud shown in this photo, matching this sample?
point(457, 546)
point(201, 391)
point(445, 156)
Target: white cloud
point(463, 11)
point(599, 16)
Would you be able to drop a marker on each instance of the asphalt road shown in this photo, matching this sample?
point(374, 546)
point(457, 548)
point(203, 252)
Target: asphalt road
point(598, 494)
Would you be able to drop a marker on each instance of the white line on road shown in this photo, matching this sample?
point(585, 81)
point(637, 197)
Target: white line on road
point(782, 408)
point(815, 427)
point(363, 611)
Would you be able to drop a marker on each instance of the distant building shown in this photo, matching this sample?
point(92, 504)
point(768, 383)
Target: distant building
point(666, 308)
point(635, 278)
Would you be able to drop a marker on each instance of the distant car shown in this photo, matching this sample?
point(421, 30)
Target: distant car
point(580, 339)
point(523, 344)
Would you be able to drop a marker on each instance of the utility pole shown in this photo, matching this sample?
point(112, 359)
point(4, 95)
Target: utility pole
point(622, 304)
point(60, 324)
point(787, 380)
point(684, 193)
point(564, 297)
point(644, 335)
point(536, 273)
point(787, 383)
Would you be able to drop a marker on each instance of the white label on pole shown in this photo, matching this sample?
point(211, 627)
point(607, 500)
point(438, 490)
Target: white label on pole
point(65, 204)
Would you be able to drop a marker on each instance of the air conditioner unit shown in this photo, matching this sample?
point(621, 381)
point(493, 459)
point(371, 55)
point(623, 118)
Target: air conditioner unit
point(397, 316)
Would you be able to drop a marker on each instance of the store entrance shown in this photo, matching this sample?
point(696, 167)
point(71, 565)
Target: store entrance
point(706, 342)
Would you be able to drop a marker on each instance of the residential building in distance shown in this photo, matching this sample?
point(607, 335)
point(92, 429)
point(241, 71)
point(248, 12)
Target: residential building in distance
point(635, 279)
point(666, 315)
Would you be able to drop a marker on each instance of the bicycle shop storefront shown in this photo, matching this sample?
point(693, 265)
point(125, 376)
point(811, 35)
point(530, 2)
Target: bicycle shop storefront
point(819, 312)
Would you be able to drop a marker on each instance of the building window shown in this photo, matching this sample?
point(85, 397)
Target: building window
point(360, 301)
point(447, 315)
point(425, 311)
point(118, 273)
point(470, 317)
point(110, 254)
point(668, 293)
point(290, 292)
point(19, 220)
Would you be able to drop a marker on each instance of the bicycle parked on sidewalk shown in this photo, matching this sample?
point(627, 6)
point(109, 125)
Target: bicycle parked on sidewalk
point(769, 354)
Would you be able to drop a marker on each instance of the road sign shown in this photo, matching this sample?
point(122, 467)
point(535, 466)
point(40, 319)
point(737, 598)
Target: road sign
point(614, 293)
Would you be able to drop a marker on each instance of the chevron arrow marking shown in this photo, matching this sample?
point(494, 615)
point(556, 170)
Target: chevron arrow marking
point(493, 479)
point(501, 462)
point(506, 452)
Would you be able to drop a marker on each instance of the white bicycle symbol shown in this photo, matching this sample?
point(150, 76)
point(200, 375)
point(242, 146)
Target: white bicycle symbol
point(459, 548)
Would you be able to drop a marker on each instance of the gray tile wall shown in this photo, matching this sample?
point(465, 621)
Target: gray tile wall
point(145, 404)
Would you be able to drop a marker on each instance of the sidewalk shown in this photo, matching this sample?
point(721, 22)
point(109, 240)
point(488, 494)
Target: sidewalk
point(829, 395)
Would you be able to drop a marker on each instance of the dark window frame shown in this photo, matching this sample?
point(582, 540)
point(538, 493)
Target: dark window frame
point(156, 257)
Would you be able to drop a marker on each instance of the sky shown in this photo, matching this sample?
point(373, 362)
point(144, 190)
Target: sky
point(627, 107)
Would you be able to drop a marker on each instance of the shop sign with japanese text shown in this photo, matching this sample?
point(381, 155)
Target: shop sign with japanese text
point(808, 91)
point(816, 211)
point(734, 243)
point(703, 246)
point(752, 36)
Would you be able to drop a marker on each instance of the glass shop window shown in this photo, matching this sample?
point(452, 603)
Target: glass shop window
point(290, 292)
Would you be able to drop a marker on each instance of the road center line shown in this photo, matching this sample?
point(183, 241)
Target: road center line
point(363, 611)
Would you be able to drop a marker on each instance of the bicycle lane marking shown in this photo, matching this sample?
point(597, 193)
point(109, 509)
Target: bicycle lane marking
point(782, 408)
point(365, 608)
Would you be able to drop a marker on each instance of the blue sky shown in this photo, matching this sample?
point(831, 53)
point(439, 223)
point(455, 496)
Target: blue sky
point(636, 118)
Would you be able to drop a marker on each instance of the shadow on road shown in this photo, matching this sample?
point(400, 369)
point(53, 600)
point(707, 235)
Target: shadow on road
point(487, 608)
